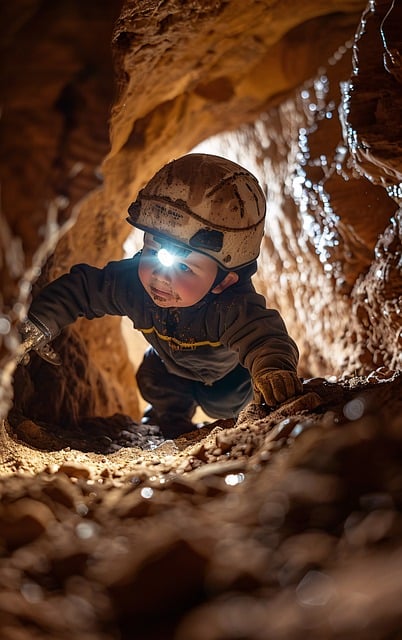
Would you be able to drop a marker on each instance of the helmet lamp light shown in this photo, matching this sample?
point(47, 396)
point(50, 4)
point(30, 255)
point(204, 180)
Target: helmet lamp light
point(165, 257)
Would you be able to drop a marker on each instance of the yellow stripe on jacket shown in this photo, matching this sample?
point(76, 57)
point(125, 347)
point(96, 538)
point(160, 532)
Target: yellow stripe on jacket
point(178, 343)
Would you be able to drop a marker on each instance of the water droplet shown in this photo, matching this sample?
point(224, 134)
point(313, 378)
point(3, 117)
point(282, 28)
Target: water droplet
point(82, 509)
point(147, 492)
point(315, 590)
point(232, 479)
point(354, 409)
point(5, 326)
point(85, 530)
point(298, 429)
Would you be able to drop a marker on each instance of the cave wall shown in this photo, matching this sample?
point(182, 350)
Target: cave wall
point(81, 136)
point(331, 254)
point(58, 87)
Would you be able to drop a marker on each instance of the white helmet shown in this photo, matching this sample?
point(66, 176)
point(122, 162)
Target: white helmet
point(206, 203)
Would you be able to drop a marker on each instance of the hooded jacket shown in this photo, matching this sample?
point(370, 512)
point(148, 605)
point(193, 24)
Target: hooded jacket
point(202, 342)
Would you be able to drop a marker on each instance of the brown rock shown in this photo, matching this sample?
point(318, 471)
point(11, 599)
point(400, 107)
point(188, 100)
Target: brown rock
point(23, 521)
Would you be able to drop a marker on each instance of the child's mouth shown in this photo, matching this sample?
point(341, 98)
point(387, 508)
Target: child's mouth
point(162, 296)
point(159, 294)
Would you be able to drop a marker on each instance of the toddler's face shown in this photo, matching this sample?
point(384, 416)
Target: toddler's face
point(183, 283)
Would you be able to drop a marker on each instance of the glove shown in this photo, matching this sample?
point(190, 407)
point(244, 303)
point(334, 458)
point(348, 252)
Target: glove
point(275, 386)
point(34, 339)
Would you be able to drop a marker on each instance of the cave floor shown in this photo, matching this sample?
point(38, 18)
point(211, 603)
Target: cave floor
point(282, 522)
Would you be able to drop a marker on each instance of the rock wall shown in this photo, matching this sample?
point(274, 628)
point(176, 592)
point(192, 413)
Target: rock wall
point(330, 259)
point(79, 139)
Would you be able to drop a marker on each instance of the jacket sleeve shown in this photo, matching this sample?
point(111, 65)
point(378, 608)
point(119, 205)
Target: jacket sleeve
point(84, 291)
point(258, 335)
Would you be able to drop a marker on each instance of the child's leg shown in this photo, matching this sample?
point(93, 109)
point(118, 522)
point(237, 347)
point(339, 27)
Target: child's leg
point(171, 397)
point(226, 397)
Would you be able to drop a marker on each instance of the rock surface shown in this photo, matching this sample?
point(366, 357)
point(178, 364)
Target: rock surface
point(284, 522)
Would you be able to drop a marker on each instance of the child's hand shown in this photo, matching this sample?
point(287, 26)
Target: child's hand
point(276, 386)
point(34, 339)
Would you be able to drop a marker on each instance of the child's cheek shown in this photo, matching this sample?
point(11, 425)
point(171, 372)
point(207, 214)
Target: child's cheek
point(189, 286)
point(144, 271)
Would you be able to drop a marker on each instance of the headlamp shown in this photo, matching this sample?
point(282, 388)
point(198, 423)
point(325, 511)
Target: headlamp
point(165, 257)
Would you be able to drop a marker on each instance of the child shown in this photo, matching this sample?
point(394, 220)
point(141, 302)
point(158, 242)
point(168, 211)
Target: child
point(189, 292)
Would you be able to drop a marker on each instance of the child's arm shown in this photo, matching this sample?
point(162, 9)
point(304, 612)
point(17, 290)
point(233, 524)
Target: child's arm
point(260, 337)
point(273, 363)
point(85, 291)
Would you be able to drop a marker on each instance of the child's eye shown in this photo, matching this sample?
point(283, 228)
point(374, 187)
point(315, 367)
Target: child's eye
point(150, 252)
point(183, 267)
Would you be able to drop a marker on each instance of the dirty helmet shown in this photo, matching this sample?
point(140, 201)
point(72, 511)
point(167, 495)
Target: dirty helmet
point(205, 203)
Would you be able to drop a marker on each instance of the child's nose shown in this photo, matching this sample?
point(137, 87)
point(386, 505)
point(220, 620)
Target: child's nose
point(162, 272)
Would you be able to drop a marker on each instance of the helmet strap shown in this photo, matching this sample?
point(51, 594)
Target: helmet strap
point(220, 275)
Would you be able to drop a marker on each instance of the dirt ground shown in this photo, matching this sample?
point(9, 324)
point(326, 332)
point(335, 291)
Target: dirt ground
point(282, 524)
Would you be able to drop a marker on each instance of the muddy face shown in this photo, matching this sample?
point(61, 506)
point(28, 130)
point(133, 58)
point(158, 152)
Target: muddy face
point(181, 284)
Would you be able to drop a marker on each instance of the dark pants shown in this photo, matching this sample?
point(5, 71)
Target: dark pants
point(171, 395)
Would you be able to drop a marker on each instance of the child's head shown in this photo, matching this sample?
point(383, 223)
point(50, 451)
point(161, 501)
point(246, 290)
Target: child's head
point(206, 203)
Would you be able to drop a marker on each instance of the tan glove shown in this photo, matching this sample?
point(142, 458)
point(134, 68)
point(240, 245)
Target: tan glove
point(276, 386)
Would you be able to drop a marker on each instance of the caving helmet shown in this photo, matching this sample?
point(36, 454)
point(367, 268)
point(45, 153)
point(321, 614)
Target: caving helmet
point(205, 203)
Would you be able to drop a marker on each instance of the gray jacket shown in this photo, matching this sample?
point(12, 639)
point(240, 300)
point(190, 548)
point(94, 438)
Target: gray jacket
point(202, 342)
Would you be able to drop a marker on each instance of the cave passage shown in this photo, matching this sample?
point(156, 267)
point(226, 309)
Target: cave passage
point(287, 520)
